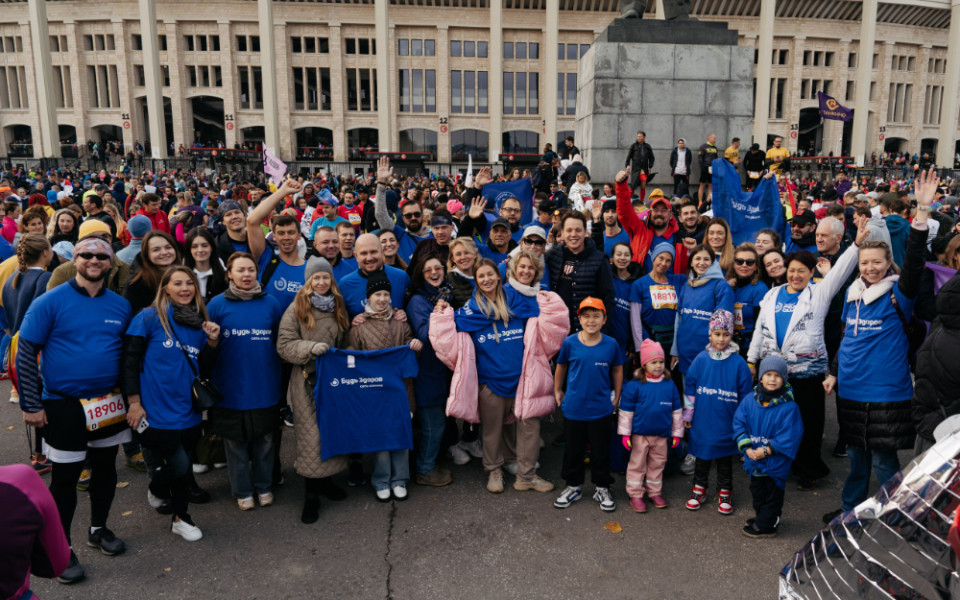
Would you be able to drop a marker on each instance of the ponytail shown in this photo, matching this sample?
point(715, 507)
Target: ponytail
point(29, 251)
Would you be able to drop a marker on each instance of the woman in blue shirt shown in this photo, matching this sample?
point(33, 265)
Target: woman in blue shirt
point(248, 374)
point(625, 273)
point(165, 345)
point(748, 291)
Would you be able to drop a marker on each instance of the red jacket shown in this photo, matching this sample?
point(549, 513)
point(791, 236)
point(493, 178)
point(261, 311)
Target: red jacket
point(158, 219)
point(641, 236)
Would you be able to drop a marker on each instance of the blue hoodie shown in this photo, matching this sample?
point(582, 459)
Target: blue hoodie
point(778, 425)
point(899, 229)
point(696, 302)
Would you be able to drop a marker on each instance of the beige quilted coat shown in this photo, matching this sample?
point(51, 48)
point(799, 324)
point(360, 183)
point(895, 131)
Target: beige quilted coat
point(294, 343)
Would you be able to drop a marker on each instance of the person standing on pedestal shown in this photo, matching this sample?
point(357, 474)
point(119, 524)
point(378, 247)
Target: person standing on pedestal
point(640, 160)
point(707, 153)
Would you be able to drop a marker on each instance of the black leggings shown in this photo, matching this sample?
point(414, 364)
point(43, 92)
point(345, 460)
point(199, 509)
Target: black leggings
point(103, 486)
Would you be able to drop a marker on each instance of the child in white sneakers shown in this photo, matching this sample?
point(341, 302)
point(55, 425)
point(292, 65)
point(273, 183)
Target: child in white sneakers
point(650, 412)
point(718, 379)
point(593, 361)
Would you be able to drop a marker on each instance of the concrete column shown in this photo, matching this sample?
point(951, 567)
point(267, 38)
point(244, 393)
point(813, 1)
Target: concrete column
point(268, 62)
point(286, 141)
point(384, 52)
point(548, 97)
point(868, 26)
point(49, 138)
point(228, 73)
point(761, 104)
point(496, 78)
point(443, 92)
point(154, 77)
point(77, 72)
point(183, 131)
point(948, 114)
point(337, 97)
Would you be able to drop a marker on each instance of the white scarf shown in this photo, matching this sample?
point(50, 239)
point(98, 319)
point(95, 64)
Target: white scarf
point(526, 290)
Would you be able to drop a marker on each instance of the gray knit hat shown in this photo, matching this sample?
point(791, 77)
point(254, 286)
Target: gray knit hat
point(316, 264)
point(773, 363)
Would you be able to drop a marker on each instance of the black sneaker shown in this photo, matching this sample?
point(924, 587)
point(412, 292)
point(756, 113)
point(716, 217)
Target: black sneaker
point(751, 532)
point(108, 543)
point(840, 450)
point(198, 495)
point(830, 516)
point(74, 572)
point(355, 476)
point(287, 415)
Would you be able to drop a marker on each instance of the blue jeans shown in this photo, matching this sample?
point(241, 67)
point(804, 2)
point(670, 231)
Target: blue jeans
point(857, 487)
point(390, 469)
point(433, 421)
point(250, 465)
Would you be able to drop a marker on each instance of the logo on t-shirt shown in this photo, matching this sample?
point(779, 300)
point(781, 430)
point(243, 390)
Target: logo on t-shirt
point(482, 339)
point(334, 382)
point(785, 308)
point(282, 285)
point(168, 343)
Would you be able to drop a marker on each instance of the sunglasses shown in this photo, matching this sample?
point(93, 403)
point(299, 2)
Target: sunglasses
point(534, 242)
point(415, 215)
point(91, 256)
point(798, 224)
point(745, 261)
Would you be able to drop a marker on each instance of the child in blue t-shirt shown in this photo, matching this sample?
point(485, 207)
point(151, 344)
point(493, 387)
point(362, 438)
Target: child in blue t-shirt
point(768, 428)
point(595, 367)
point(650, 412)
point(718, 379)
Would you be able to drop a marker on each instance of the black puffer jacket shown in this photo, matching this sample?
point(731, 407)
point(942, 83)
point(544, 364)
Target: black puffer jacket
point(574, 277)
point(936, 392)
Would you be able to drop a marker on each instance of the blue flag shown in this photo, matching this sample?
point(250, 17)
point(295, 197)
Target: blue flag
point(745, 212)
point(361, 400)
point(521, 189)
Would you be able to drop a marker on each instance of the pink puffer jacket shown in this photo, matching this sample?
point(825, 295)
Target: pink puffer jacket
point(542, 339)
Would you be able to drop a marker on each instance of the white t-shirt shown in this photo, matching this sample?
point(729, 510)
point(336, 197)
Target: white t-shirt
point(681, 162)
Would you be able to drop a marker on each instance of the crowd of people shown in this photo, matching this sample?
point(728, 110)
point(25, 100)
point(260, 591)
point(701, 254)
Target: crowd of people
point(417, 321)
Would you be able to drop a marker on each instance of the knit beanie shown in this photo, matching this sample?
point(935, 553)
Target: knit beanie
point(650, 350)
point(316, 264)
point(91, 226)
point(773, 363)
point(139, 225)
point(227, 206)
point(721, 319)
point(378, 282)
point(663, 247)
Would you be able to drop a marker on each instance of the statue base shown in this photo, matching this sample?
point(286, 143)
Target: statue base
point(679, 31)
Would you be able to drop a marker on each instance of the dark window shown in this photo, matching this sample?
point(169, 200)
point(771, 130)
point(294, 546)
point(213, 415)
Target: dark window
point(403, 47)
point(468, 49)
point(429, 47)
point(470, 142)
point(481, 49)
point(455, 48)
point(416, 47)
point(310, 45)
point(456, 87)
point(533, 50)
point(241, 43)
point(508, 49)
point(521, 50)
point(296, 45)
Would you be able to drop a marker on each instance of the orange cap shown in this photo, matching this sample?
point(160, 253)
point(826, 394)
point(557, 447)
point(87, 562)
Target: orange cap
point(591, 302)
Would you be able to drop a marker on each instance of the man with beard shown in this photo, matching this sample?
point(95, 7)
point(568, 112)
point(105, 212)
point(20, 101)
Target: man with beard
point(413, 230)
point(116, 277)
point(370, 260)
point(234, 236)
point(802, 233)
point(689, 234)
point(80, 319)
point(281, 268)
point(659, 225)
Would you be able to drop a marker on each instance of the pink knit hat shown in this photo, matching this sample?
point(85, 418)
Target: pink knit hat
point(721, 319)
point(650, 350)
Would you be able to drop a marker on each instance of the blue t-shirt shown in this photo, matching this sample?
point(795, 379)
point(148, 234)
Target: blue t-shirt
point(286, 279)
point(407, 243)
point(717, 387)
point(652, 405)
point(6, 249)
point(620, 316)
point(658, 306)
point(746, 302)
point(609, 241)
point(786, 303)
point(588, 377)
point(324, 222)
point(353, 286)
point(247, 371)
point(499, 348)
point(240, 246)
point(361, 400)
point(696, 306)
point(72, 327)
point(873, 364)
point(487, 252)
point(344, 268)
point(648, 260)
point(166, 377)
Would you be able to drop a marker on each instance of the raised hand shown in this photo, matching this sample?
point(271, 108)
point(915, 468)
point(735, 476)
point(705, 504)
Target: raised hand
point(597, 210)
point(927, 188)
point(477, 205)
point(212, 330)
point(384, 170)
point(482, 178)
point(862, 232)
point(622, 175)
point(823, 265)
point(441, 305)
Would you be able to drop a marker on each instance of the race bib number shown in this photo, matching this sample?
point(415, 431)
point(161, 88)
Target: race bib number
point(104, 411)
point(710, 170)
point(663, 296)
point(354, 218)
point(753, 174)
point(738, 316)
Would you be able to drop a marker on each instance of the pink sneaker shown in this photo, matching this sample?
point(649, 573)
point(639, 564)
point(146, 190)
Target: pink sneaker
point(658, 501)
point(638, 505)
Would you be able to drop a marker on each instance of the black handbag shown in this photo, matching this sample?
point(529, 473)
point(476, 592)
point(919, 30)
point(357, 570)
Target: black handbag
point(203, 393)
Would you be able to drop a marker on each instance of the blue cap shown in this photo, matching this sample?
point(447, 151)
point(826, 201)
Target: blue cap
point(139, 225)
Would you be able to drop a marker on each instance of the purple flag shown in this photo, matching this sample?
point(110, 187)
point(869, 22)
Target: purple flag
point(831, 109)
point(273, 166)
point(941, 275)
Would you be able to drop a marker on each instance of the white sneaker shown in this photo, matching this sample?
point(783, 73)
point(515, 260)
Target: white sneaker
point(199, 468)
point(472, 448)
point(383, 495)
point(513, 467)
point(14, 396)
point(154, 501)
point(689, 464)
point(219, 465)
point(459, 456)
point(605, 499)
point(187, 531)
point(400, 492)
point(245, 503)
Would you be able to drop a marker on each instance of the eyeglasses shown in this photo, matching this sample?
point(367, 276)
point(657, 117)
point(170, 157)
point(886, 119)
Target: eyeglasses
point(415, 215)
point(745, 261)
point(91, 256)
point(511, 211)
point(534, 242)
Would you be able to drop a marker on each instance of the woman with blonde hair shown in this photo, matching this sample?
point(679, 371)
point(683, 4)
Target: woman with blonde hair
point(167, 345)
point(117, 215)
point(720, 241)
point(314, 322)
point(461, 268)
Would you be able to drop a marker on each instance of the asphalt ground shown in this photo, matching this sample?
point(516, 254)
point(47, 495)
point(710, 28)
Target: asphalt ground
point(459, 541)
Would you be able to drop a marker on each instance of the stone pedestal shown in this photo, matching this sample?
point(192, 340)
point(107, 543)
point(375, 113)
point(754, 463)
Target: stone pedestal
point(692, 80)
